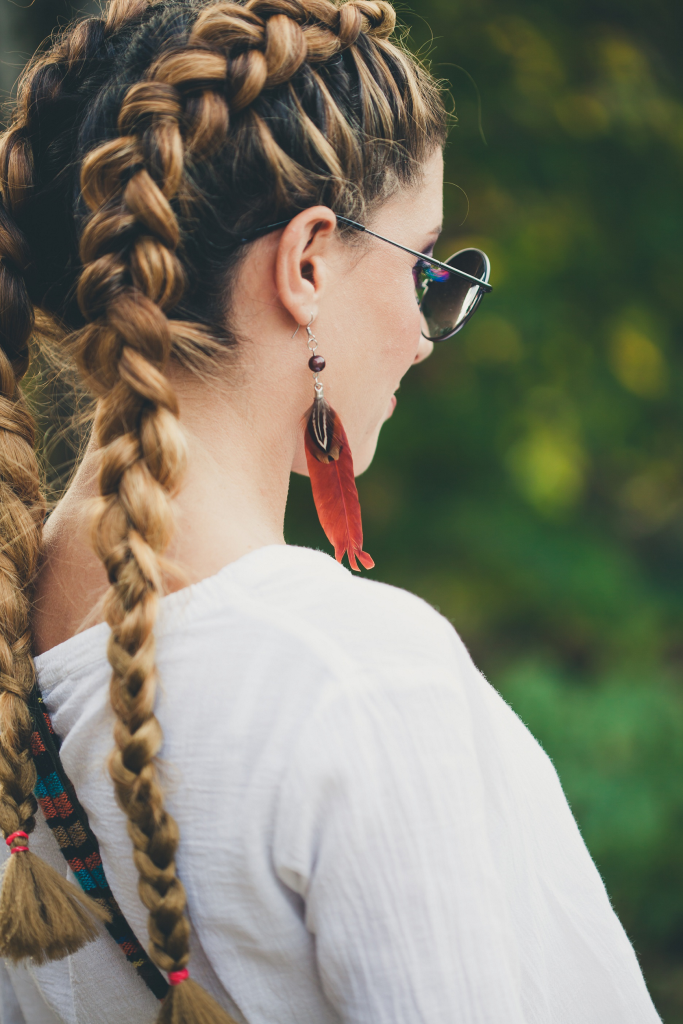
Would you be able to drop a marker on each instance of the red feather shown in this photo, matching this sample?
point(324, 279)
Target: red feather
point(336, 499)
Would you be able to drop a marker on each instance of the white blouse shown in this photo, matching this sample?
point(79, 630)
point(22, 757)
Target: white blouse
point(369, 835)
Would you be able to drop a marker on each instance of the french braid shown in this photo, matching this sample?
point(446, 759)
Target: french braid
point(195, 121)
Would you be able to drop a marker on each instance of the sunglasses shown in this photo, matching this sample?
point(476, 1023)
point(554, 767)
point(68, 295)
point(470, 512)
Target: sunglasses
point(448, 293)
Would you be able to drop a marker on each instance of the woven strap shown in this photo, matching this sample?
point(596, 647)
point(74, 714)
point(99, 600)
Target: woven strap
point(78, 843)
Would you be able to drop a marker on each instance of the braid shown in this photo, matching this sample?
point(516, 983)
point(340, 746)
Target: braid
point(41, 914)
point(193, 121)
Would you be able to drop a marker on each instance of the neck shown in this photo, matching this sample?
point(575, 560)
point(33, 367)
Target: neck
point(239, 464)
point(240, 454)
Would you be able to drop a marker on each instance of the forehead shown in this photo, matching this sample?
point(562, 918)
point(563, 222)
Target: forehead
point(430, 194)
point(418, 209)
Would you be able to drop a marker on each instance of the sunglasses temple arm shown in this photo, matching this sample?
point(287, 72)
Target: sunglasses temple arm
point(428, 259)
point(361, 227)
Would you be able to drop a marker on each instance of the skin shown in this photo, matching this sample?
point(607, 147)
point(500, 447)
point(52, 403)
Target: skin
point(244, 424)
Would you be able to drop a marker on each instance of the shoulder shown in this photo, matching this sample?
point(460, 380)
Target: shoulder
point(306, 650)
point(379, 669)
point(300, 599)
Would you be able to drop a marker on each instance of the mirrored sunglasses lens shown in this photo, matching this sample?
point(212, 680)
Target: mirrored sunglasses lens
point(448, 304)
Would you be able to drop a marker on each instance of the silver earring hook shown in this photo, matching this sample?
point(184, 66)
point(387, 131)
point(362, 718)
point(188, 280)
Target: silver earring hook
point(299, 326)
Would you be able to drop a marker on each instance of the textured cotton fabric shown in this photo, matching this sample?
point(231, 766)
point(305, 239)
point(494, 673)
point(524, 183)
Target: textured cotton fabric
point(369, 835)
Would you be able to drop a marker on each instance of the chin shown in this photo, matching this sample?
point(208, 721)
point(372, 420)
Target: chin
point(365, 453)
point(362, 456)
point(362, 459)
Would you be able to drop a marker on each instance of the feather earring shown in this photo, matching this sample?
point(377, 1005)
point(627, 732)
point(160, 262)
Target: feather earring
point(330, 466)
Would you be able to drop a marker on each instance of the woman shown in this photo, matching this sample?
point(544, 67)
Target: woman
point(317, 802)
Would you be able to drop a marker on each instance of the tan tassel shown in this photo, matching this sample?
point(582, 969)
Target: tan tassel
point(42, 915)
point(188, 1003)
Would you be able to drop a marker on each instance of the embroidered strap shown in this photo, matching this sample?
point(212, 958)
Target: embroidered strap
point(69, 823)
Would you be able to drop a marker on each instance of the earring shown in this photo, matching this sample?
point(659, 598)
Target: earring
point(330, 467)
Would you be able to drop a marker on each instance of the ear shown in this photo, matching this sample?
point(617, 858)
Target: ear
point(300, 265)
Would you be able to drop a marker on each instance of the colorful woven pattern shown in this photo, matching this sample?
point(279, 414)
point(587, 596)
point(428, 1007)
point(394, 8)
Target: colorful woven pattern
point(79, 846)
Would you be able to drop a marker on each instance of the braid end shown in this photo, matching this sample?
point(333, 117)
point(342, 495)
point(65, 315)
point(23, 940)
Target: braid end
point(42, 915)
point(189, 1003)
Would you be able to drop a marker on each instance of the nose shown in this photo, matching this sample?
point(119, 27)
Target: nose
point(424, 350)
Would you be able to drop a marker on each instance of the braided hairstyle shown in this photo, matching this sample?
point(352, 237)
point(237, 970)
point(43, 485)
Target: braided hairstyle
point(145, 144)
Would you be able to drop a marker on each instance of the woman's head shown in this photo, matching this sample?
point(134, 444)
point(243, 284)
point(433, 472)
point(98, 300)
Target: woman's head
point(146, 145)
point(264, 110)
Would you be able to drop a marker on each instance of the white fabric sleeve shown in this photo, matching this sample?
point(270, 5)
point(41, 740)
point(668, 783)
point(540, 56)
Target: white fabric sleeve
point(10, 1011)
point(25, 1003)
point(381, 830)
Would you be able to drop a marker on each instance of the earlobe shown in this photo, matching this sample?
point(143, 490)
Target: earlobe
point(300, 266)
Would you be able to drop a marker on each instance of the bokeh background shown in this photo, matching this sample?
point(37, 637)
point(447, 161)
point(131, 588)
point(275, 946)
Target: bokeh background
point(531, 483)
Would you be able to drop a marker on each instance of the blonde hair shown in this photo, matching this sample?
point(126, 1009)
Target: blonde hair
point(191, 123)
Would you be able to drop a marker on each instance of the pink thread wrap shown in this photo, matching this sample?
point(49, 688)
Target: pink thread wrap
point(178, 977)
point(17, 849)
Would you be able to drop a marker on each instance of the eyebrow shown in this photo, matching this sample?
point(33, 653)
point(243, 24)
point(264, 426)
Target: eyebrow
point(429, 249)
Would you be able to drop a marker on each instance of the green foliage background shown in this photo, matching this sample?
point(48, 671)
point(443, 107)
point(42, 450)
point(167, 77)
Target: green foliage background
point(530, 484)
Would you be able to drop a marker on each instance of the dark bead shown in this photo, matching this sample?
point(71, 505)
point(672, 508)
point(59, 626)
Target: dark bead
point(317, 364)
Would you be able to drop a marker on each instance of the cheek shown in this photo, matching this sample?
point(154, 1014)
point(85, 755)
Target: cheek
point(398, 326)
point(376, 340)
